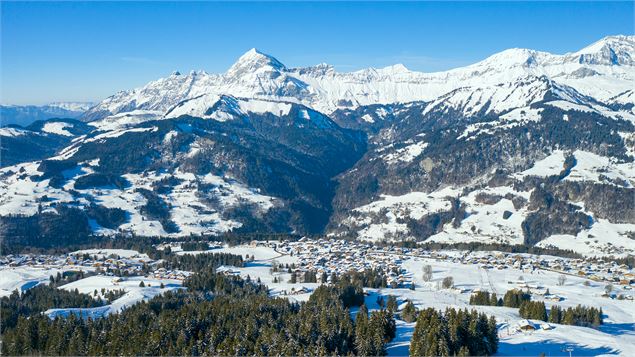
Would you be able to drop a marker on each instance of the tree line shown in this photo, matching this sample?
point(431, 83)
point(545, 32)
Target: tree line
point(513, 298)
point(192, 246)
point(578, 316)
point(536, 310)
point(199, 262)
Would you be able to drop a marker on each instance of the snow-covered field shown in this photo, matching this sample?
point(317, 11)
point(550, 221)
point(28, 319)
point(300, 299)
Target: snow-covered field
point(58, 128)
point(24, 278)
point(134, 293)
point(259, 253)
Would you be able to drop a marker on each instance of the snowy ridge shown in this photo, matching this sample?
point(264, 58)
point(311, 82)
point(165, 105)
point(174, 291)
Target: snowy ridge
point(13, 132)
point(604, 71)
point(27, 114)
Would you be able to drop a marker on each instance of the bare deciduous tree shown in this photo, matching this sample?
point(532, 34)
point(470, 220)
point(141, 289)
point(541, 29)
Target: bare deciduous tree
point(427, 272)
point(448, 282)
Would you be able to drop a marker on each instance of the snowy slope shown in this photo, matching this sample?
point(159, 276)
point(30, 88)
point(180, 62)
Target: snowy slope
point(191, 210)
point(496, 214)
point(133, 294)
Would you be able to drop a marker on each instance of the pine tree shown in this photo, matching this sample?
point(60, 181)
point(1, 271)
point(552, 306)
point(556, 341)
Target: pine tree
point(409, 312)
point(362, 328)
point(597, 318)
point(381, 302)
point(567, 317)
point(464, 351)
point(492, 336)
point(555, 314)
point(391, 304)
point(541, 311)
point(493, 300)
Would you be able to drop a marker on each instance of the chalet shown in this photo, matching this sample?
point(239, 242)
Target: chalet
point(301, 290)
point(526, 325)
point(228, 271)
point(554, 298)
point(546, 326)
point(460, 290)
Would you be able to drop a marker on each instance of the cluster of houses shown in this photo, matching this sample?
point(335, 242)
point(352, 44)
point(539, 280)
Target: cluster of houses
point(163, 273)
point(32, 260)
point(176, 246)
point(340, 256)
point(337, 257)
point(103, 263)
point(334, 256)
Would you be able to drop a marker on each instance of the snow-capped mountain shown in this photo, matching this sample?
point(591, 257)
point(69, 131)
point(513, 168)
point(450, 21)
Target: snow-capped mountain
point(524, 147)
point(73, 106)
point(247, 170)
point(603, 70)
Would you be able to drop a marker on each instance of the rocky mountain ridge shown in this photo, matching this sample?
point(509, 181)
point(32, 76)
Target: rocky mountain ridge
point(258, 75)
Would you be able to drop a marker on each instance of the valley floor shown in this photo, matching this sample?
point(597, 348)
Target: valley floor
point(615, 337)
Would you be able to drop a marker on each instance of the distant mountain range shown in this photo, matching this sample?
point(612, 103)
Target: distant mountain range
point(524, 147)
point(27, 114)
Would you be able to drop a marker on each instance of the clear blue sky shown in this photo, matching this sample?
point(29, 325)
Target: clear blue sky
point(87, 51)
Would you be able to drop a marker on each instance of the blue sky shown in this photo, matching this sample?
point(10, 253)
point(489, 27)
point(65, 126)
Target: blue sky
point(74, 51)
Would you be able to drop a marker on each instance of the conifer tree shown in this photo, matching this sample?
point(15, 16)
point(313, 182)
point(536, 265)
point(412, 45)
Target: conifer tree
point(555, 314)
point(493, 300)
point(362, 345)
point(409, 312)
point(391, 304)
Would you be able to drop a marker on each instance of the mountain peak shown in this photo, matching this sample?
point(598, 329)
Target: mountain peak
point(512, 57)
point(617, 40)
point(610, 50)
point(395, 68)
point(254, 60)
